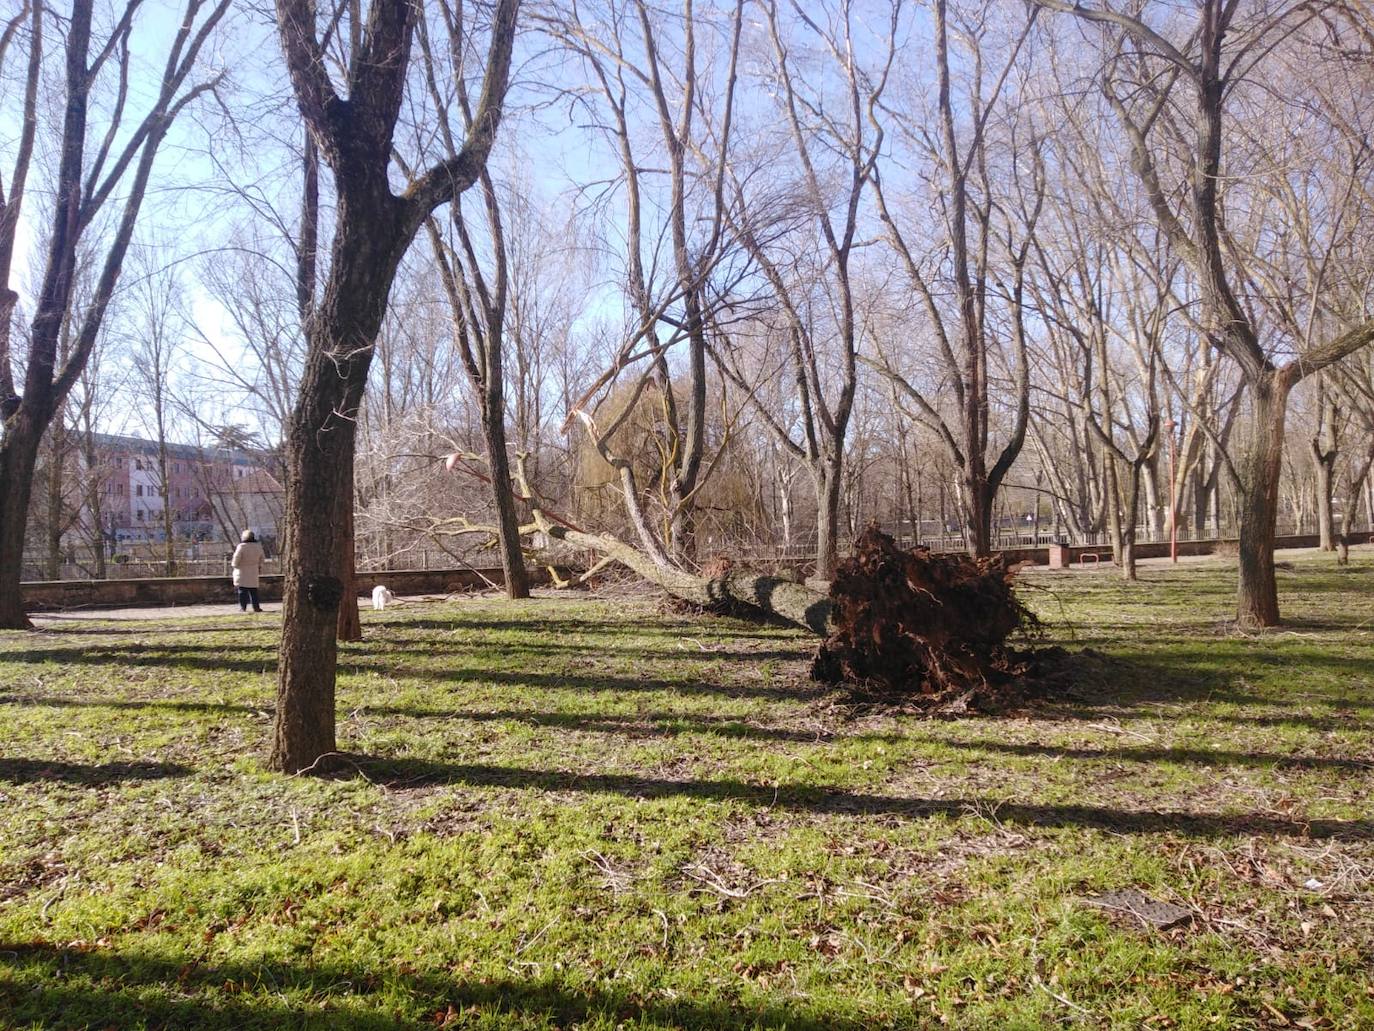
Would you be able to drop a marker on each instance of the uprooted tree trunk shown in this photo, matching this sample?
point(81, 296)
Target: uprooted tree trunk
point(774, 595)
point(911, 623)
point(908, 622)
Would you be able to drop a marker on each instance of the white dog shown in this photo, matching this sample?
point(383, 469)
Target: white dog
point(381, 597)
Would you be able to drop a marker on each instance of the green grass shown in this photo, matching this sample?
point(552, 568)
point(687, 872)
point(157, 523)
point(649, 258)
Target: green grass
point(586, 813)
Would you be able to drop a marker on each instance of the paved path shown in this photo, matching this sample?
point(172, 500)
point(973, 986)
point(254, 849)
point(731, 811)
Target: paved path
point(54, 620)
point(271, 613)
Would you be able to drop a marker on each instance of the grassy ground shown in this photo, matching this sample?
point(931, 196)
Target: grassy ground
point(590, 814)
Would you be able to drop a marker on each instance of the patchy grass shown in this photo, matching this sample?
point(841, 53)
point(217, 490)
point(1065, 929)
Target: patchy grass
point(574, 813)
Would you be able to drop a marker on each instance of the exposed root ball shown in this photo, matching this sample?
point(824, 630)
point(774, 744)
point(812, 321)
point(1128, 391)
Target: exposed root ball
point(918, 624)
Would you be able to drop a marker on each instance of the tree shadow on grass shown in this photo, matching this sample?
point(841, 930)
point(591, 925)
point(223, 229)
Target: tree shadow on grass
point(1098, 686)
point(125, 628)
point(44, 984)
point(664, 626)
point(537, 650)
point(144, 652)
point(1134, 686)
point(1192, 756)
point(212, 659)
point(650, 724)
point(19, 771)
point(408, 773)
point(162, 656)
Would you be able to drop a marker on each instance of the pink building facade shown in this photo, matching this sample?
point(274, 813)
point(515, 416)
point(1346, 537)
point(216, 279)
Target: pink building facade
point(212, 493)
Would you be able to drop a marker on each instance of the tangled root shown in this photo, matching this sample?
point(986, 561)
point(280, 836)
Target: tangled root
point(932, 628)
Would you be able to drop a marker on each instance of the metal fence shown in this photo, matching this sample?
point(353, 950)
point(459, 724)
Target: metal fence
point(213, 559)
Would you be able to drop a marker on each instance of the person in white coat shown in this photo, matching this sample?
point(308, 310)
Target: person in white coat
point(247, 563)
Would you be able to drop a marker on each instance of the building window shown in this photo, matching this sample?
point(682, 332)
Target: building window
point(138, 490)
point(138, 464)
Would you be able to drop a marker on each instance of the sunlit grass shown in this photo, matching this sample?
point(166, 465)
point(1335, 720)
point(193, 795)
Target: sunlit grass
point(589, 813)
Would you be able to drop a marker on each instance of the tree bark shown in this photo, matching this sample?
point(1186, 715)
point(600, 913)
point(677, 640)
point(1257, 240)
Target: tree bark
point(1257, 603)
point(18, 456)
point(807, 608)
point(828, 517)
point(350, 624)
point(1326, 522)
point(979, 498)
point(507, 519)
point(1128, 530)
point(1324, 453)
point(319, 489)
point(1112, 481)
point(57, 463)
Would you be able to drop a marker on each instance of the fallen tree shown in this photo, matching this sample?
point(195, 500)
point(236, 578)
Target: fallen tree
point(905, 622)
point(933, 628)
point(728, 587)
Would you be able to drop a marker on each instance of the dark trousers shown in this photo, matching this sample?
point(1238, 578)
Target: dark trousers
point(246, 595)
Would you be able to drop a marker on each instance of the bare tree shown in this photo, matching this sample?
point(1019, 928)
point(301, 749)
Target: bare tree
point(1353, 383)
point(984, 232)
point(373, 229)
point(93, 394)
point(1324, 446)
point(153, 347)
point(631, 59)
point(85, 184)
point(1212, 61)
point(477, 298)
point(820, 325)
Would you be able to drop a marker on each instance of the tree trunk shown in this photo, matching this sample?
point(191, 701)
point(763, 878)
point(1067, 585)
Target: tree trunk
point(1326, 529)
point(784, 495)
point(1324, 452)
point(1128, 528)
point(776, 596)
point(507, 519)
point(1201, 496)
point(1112, 481)
point(350, 624)
point(316, 511)
point(1154, 504)
point(18, 456)
point(1257, 603)
point(319, 494)
point(1350, 505)
point(169, 553)
point(95, 482)
point(978, 502)
point(827, 517)
point(56, 471)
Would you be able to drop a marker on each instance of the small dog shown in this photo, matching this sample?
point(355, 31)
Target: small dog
point(381, 597)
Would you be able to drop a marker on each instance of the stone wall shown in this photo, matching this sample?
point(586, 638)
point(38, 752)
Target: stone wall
point(211, 590)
